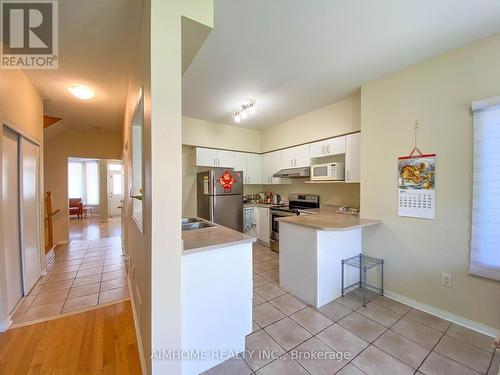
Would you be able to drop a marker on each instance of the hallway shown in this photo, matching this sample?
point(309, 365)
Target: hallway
point(88, 273)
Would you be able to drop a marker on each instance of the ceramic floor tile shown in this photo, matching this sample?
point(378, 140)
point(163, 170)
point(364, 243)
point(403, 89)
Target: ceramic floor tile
point(113, 284)
point(43, 311)
point(259, 281)
point(363, 327)
point(429, 320)
point(58, 285)
point(468, 355)
point(80, 302)
point(62, 276)
point(419, 333)
point(325, 360)
point(113, 275)
point(266, 314)
point(36, 290)
point(255, 326)
point(392, 305)
point(269, 291)
point(256, 345)
point(114, 267)
point(55, 296)
point(334, 310)
point(25, 303)
point(272, 275)
point(230, 367)
point(89, 272)
point(113, 295)
point(283, 366)
point(311, 320)
point(379, 314)
point(64, 269)
point(495, 364)
point(470, 337)
point(257, 300)
point(374, 361)
point(436, 364)
point(287, 333)
point(342, 340)
point(287, 304)
point(84, 290)
point(402, 348)
point(85, 280)
point(265, 266)
point(352, 301)
point(350, 369)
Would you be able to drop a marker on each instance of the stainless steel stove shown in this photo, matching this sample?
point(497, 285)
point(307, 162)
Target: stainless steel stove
point(296, 206)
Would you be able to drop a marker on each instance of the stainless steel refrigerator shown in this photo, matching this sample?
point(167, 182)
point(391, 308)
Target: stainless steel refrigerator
point(220, 197)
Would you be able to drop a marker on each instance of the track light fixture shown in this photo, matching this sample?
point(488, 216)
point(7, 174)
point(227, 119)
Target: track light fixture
point(244, 111)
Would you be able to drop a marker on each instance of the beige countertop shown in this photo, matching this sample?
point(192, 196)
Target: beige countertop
point(326, 218)
point(197, 240)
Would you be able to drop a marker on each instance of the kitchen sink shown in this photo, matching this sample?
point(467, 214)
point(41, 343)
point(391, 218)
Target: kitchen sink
point(187, 220)
point(196, 225)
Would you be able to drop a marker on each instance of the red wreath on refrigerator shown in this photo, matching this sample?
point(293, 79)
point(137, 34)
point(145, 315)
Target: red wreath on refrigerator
point(227, 181)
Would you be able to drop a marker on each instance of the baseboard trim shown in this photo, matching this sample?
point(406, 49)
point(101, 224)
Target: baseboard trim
point(454, 318)
point(4, 326)
point(142, 358)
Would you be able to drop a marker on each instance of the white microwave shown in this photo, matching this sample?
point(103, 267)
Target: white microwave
point(327, 171)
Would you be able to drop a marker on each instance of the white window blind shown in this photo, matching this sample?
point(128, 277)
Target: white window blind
point(92, 182)
point(75, 180)
point(83, 181)
point(485, 235)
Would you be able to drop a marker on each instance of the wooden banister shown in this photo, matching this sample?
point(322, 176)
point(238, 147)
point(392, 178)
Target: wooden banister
point(50, 228)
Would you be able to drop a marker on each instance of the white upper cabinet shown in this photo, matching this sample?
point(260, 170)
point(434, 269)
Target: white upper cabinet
point(225, 159)
point(253, 171)
point(353, 158)
point(332, 146)
point(209, 157)
point(206, 157)
point(271, 163)
point(295, 157)
point(240, 161)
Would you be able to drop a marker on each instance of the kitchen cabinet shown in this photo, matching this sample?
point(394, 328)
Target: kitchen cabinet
point(262, 218)
point(332, 146)
point(295, 157)
point(353, 158)
point(209, 157)
point(271, 163)
point(254, 169)
point(250, 164)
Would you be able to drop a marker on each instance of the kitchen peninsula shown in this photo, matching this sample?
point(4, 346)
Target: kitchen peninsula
point(312, 248)
point(216, 292)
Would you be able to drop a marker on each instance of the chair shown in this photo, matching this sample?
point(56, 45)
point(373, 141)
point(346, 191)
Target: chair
point(76, 207)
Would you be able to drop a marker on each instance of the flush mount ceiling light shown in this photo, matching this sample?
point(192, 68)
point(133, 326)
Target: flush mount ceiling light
point(244, 111)
point(82, 92)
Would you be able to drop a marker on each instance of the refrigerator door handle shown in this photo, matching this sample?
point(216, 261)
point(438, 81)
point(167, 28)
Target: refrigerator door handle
point(211, 208)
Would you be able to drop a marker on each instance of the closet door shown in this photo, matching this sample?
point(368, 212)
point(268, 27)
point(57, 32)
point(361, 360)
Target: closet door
point(10, 213)
point(30, 213)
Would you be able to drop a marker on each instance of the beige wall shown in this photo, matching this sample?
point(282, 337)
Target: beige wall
point(57, 149)
point(438, 93)
point(155, 253)
point(21, 108)
point(335, 119)
point(209, 134)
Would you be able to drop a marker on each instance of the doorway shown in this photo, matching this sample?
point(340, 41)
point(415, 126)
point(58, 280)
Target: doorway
point(115, 188)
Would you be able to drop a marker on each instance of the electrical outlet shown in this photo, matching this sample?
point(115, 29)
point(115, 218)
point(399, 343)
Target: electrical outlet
point(446, 279)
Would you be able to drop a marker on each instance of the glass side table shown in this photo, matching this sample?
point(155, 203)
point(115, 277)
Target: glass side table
point(364, 263)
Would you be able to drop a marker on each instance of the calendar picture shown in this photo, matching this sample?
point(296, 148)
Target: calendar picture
point(416, 184)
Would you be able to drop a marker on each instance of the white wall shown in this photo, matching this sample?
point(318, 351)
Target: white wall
point(438, 93)
point(335, 119)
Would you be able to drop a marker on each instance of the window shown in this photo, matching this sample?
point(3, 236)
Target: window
point(75, 179)
point(485, 235)
point(83, 181)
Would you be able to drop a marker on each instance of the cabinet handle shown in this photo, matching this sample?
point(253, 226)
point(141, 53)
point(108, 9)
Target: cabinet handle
point(348, 176)
point(327, 149)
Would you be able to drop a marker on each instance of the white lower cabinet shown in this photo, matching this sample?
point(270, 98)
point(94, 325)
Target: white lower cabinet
point(262, 218)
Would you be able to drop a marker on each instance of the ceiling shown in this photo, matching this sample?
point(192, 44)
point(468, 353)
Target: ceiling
point(294, 56)
point(95, 43)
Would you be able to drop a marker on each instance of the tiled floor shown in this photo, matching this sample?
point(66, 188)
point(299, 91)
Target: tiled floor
point(384, 338)
point(87, 274)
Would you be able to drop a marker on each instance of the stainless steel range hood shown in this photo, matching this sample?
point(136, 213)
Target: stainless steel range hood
point(294, 172)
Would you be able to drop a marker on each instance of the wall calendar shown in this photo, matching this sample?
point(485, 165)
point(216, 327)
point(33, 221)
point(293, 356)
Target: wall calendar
point(416, 186)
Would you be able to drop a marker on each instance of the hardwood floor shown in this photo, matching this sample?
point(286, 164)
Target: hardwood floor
point(90, 228)
point(100, 341)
